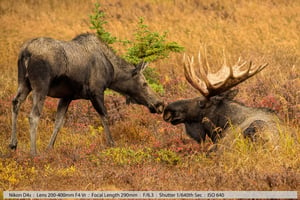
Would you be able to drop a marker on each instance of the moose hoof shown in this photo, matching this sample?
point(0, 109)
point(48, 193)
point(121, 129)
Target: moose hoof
point(13, 146)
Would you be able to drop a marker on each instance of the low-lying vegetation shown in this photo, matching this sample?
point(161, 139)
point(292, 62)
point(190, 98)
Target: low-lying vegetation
point(151, 154)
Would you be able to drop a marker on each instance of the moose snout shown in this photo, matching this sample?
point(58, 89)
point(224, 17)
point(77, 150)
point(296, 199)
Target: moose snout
point(173, 116)
point(160, 107)
point(167, 116)
point(157, 108)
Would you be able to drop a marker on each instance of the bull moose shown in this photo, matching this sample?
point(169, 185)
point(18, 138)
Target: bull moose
point(214, 112)
point(78, 69)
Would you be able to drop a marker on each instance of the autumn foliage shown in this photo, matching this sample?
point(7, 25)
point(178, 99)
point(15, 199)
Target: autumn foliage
point(151, 154)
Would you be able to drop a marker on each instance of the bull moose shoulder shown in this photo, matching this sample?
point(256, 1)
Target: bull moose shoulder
point(214, 112)
point(78, 69)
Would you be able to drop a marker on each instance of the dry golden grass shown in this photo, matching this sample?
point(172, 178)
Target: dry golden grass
point(153, 155)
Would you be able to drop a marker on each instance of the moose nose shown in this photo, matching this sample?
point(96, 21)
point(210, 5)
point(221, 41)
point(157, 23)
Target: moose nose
point(157, 108)
point(167, 116)
point(160, 108)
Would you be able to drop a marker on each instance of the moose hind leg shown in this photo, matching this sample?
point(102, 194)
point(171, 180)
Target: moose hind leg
point(59, 120)
point(100, 108)
point(37, 107)
point(22, 93)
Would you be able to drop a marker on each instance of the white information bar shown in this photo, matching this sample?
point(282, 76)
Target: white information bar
point(150, 194)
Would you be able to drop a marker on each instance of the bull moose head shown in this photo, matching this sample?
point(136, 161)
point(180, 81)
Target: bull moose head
point(211, 113)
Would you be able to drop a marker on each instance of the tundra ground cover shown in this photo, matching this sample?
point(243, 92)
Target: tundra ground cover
point(151, 154)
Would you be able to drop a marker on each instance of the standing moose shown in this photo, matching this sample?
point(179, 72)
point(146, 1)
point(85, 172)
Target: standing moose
point(78, 69)
point(213, 113)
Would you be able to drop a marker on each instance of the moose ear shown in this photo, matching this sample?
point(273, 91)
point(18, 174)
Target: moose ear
point(216, 99)
point(225, 95)
point(140, 67)
point(231, 94)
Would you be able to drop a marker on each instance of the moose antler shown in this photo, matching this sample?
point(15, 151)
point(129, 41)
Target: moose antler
point(210, 84)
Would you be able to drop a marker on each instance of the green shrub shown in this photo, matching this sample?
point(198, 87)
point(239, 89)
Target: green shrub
point(167, 156)
point(12, 173)
point(125, 156)
point(153, 79)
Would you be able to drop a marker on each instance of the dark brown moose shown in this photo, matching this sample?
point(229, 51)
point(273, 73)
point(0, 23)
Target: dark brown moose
point(214, 112)
point(78, 69)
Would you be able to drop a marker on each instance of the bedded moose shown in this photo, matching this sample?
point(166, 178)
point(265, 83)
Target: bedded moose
point(78, 69)
point(214, 113)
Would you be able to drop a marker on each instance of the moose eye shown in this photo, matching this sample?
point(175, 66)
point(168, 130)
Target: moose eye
point(201, 104)
point(145, 84)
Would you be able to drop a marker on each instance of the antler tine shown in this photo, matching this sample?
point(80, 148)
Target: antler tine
point(258, 69)
point(237, 79)
point(191, 77)
point(230, 73)
point(225, 65)
point(204, 70)
point(206, 66)
point(224, 58)
point(238, 66)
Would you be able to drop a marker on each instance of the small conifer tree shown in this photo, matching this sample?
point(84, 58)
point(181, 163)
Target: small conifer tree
point(97, 20)
point(147, 46)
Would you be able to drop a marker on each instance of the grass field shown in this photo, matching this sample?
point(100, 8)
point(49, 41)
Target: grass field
point(151, 154)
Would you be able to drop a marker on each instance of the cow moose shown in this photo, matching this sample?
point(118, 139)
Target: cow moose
point(214, 112)
point(78, 69)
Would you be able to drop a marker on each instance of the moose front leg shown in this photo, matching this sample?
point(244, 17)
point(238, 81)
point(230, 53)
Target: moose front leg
point(98, 103)
point(109, 138)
